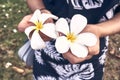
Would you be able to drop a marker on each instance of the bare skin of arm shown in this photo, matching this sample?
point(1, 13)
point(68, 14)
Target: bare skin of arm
point(111, 26)
point(35, 4)
point(103, 29)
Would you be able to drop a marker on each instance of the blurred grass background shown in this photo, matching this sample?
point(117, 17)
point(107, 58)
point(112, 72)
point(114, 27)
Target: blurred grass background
point(11, 12)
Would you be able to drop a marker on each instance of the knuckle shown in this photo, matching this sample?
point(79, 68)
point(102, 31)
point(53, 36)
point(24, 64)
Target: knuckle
point(96, 52)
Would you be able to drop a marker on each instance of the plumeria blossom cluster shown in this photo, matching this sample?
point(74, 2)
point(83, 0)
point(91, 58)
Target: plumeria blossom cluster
point(48, 29)
point(71, 38)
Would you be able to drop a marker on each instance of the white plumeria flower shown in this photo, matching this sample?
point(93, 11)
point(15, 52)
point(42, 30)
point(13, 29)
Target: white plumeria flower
point(71, 38)
point(48, 29)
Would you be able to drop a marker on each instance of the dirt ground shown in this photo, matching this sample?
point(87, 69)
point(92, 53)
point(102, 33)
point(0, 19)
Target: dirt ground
point(112, 65)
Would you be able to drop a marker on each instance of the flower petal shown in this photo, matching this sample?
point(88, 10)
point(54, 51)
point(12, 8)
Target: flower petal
point(44, 16)
point(49, 30)
point(28, 30)
point(35, 16)
point(88, 39)
point(78, 23)
point(62, 26)
point(62, 44)
point(36, 41)
point(79, 50)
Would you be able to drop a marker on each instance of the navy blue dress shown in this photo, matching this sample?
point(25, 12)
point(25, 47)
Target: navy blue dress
point(50, 65)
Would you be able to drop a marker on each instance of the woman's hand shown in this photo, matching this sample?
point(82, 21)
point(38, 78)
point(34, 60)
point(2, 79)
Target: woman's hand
point(24, 23)
point(93, 50)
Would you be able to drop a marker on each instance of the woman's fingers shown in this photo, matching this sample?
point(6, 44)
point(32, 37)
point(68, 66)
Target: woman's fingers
point(73, 59)
point(24, 23)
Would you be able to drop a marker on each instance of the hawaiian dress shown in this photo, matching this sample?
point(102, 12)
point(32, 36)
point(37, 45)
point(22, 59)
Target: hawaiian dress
point(48, 64)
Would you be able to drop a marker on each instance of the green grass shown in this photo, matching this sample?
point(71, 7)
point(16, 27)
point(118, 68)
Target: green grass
point(11, 12)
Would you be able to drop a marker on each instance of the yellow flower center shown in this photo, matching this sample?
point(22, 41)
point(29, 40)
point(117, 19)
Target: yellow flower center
point(71, 37)
point(39, 25)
